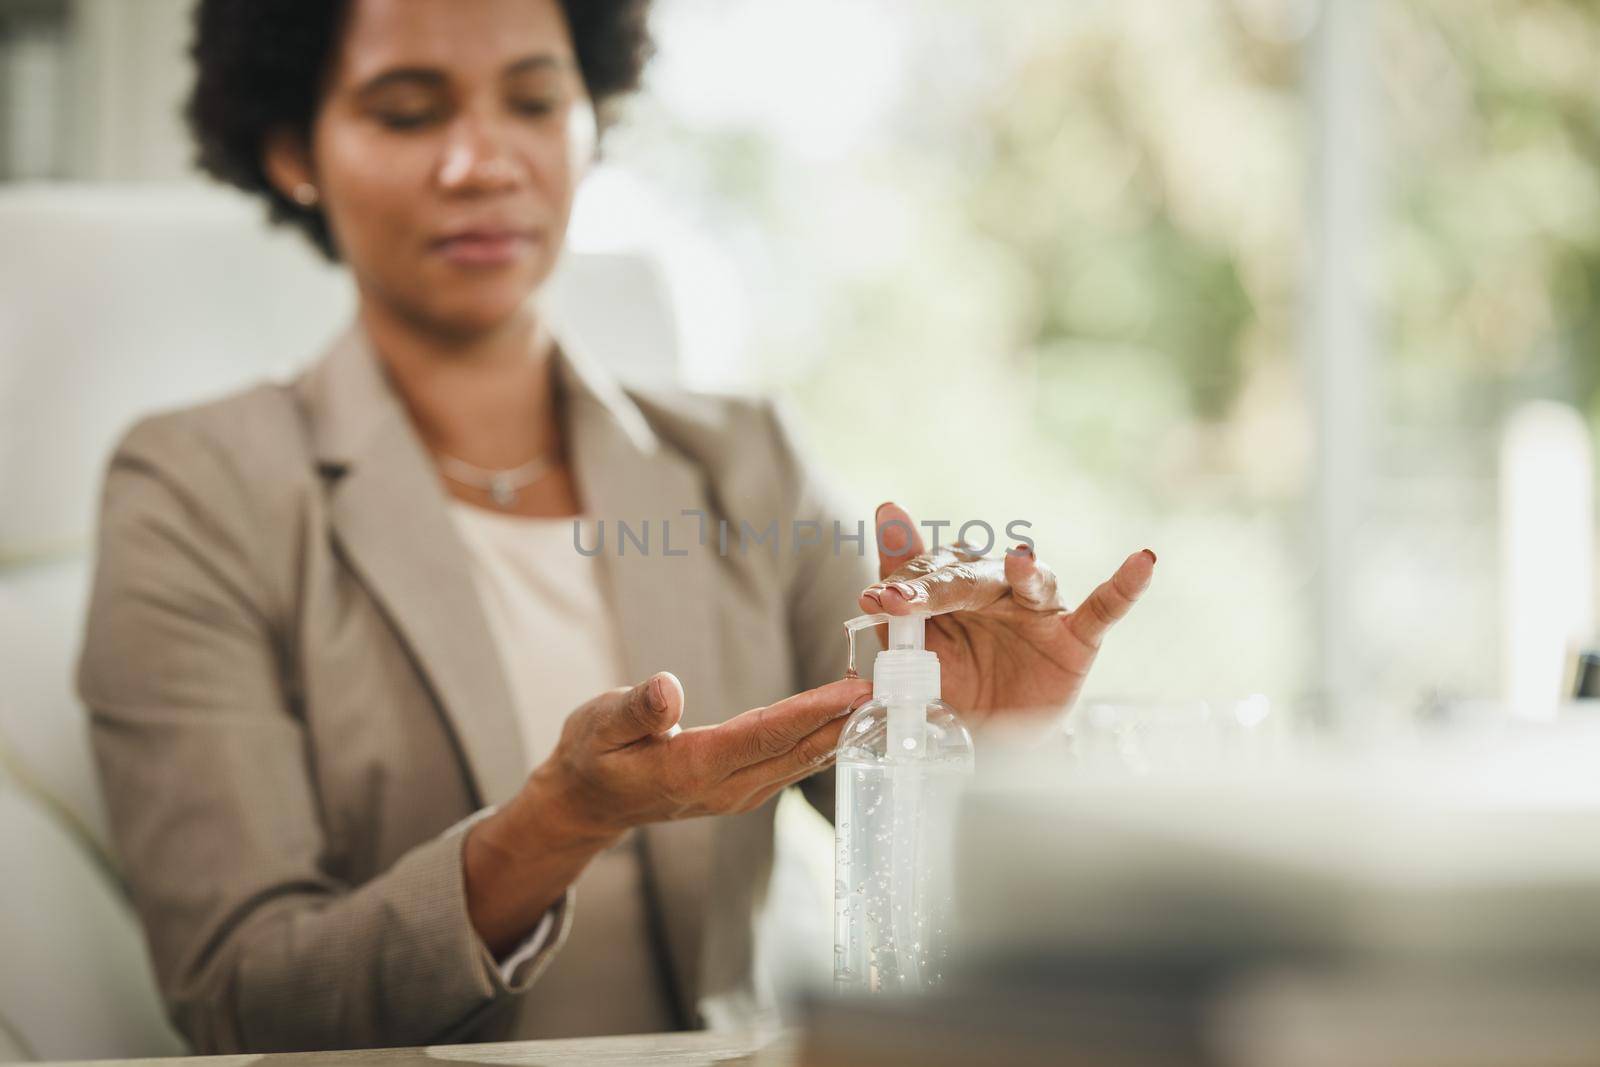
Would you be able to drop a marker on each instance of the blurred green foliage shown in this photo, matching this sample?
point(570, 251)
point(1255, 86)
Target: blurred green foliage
point(1125, 275)
point(1493, 244)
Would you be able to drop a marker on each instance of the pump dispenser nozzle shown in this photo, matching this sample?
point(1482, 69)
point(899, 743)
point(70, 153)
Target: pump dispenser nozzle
point(905, 631)
point(905, 676)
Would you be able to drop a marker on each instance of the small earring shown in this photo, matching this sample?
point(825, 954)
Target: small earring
point(306, 195)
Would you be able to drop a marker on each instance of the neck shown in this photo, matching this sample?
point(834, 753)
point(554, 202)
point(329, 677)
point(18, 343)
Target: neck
point(484, 398)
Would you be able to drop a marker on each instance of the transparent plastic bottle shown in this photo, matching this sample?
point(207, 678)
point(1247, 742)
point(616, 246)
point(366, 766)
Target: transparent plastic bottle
point(902, 762)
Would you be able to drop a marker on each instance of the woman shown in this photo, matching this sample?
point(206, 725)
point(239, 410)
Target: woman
point(335, 618)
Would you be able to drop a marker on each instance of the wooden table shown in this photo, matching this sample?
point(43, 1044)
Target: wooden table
point(696, 1049)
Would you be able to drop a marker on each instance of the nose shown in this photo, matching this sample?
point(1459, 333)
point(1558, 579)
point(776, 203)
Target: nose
point(477, 160)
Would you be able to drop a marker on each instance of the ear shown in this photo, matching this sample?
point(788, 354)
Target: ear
point(286, 159)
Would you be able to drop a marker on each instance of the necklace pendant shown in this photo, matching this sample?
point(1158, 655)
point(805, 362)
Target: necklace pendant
point(502, 491)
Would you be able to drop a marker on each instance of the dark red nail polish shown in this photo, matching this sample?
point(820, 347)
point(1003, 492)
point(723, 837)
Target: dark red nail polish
point(1151, 554)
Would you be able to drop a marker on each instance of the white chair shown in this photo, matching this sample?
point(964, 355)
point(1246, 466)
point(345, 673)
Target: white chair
point(76, 980)
point(114, 302)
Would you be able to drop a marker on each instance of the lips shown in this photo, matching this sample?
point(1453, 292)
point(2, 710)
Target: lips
point(486, 246)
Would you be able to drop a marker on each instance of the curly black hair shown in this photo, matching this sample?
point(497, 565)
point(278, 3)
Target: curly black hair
point(261, 65)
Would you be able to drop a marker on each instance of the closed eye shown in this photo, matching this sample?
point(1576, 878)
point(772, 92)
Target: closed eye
point(410, 120)
point(535, 107)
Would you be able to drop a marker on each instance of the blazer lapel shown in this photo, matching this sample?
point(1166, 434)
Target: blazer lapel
point(665, 613)
point(626, 475)
point(388, 514)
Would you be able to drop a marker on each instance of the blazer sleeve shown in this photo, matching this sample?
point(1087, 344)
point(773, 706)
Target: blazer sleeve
point(826, 580)
point(202, 758)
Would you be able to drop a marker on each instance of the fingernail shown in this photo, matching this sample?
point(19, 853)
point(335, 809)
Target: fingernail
point(1025, 550)
point(656, 695)
point(879, 509)
point(904, 590)
point(1151, 554)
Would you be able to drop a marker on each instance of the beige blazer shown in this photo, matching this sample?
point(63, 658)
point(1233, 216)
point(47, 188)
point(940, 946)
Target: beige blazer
point(295, 696)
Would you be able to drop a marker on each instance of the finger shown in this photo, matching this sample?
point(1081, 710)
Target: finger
point(801, 765)
point(1033, 584)
point(813, 752)
point(764, 733)
point(872, 597)
point(898, 539)
point(767, 792)
point(918, 566)
point(652, 707)
point(963, 586)
point(902, 585)
point(1112, 599)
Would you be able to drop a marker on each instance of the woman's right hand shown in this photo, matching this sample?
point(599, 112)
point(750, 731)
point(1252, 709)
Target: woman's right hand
point(622, 762)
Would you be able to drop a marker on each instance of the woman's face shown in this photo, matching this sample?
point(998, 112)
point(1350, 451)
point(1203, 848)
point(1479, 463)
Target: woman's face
point(447, 151)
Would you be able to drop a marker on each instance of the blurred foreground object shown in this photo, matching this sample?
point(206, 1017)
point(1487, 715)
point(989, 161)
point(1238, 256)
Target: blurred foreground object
point(1434, 902)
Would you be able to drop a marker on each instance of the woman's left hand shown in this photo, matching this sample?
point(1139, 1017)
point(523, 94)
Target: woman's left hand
point(1007, 641)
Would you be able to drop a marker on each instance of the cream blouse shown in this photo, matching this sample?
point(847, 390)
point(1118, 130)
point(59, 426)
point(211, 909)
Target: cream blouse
point(560, 648)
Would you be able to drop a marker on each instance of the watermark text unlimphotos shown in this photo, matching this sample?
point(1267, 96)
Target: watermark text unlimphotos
point(693, 530)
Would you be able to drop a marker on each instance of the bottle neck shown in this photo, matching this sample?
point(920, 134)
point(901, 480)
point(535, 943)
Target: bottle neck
point(905, 676)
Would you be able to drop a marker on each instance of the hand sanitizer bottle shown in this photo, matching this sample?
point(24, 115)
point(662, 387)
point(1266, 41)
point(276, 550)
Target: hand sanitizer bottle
point(902, 762)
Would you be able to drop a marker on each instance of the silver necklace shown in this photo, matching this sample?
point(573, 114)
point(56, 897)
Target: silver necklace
point(501, 485)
